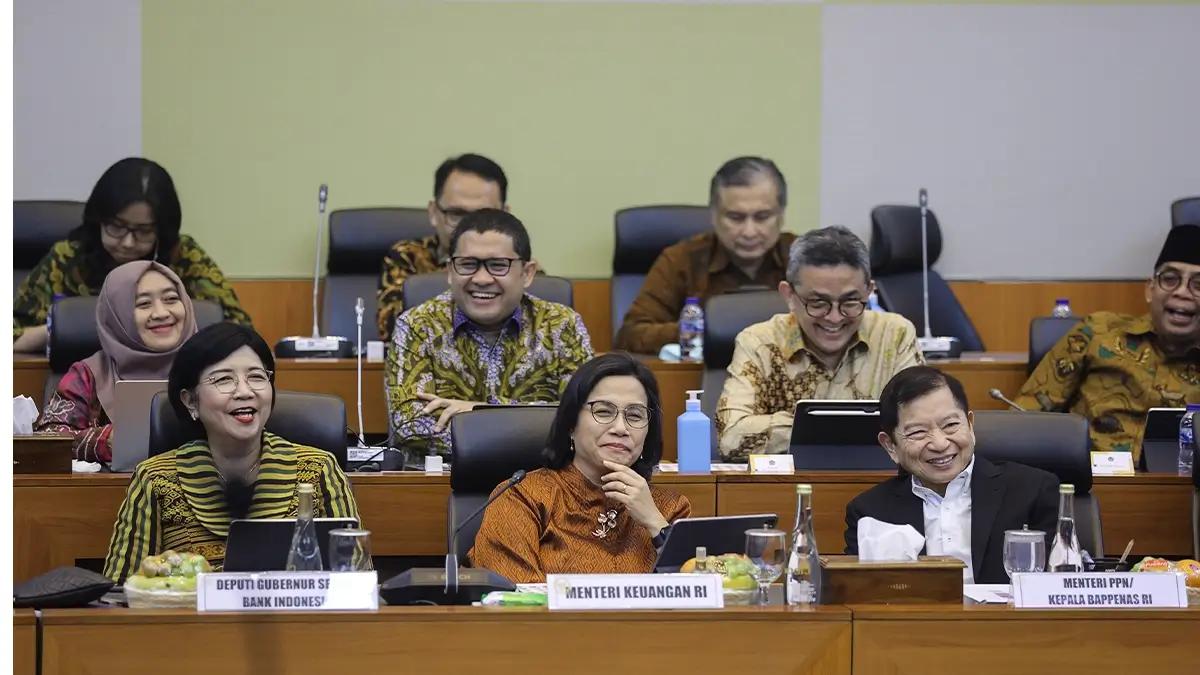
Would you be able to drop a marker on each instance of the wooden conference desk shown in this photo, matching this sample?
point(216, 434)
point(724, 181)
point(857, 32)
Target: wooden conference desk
point(60, 518)
point(830, 640)
point(979, 372)
point(24, 642)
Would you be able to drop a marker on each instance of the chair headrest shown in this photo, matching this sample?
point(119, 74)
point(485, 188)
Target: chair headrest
point(490, 444)
point(360, 238)
point(421, 288)
point(38, 224)
point(644, 231)
point(1054, 442)
point(896, 239)
point(74, 336)
point(316, 420)
point(727, 315)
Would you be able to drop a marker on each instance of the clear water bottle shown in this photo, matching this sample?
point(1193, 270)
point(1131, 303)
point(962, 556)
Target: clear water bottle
point(873, 302)
point(1065, 555)
point(804, 564)
point(1187, 439)
point(1062, 309)
point(305, 554)
point(50, 320)
point(691, 331)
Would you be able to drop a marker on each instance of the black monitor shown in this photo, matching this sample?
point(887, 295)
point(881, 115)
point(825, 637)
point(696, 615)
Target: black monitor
point(838, 435)
point(717, 534)
point(262, 544)
point(1160, 440)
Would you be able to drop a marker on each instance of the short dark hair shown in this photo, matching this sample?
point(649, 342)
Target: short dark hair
point(202, 350)
point(910, 384)
point(471, 163)
point(828, 247)
point(131, 180)
point(559, 449)
point(743, 171)
point(495, 220)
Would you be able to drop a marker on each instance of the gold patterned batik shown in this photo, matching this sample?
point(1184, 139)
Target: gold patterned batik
point(772, 371)
point(404, 259)
point(1110, 370)
point(63, 272)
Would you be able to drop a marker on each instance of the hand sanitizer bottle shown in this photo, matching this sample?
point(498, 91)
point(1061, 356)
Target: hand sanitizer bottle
point(694, 437)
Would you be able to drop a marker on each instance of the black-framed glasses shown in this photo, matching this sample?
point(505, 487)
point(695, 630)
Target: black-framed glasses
point(820, 307)
point(117, 229)
point(226, 383)
point(497, 267)
point(453, 215)
point(1170, 280)
point(637, 416)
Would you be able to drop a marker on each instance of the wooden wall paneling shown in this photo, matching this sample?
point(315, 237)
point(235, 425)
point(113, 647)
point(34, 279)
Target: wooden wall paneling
point(594, 302)
point(278, 307)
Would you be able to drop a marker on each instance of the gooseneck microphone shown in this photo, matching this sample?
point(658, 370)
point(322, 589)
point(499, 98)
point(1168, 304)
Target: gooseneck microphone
point(932, 347)
point(358, 353)
point(452, 545)
point(999, 396)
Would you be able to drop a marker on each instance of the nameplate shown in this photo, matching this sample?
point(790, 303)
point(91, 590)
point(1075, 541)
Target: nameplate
point(286, 591)
point(1112, 464)
point(323, 344)
point(1099, 590)
point(634, 591)
point(784, 464)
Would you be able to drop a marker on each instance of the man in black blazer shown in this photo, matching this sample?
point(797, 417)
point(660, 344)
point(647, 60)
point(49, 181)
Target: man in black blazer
point(961, 502)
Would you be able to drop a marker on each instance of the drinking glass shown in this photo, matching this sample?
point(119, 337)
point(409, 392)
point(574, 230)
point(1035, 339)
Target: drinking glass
point(767, 549)
point(1024, 551)
point(350, 550)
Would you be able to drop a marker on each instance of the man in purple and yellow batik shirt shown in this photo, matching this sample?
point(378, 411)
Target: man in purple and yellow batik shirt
point(485, 341)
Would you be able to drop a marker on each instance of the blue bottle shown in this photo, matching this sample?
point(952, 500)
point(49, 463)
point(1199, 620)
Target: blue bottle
point(694, 437)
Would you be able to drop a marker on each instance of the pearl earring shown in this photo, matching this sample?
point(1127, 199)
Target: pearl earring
point(194, 416)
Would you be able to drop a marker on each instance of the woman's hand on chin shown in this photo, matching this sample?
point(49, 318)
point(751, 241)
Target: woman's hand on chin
point(625, 486)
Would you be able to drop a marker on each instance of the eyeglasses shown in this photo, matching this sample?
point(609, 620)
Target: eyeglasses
point(227, 383)
point(117, 229)
point(819, 307)
point(496, 267)
point(637, 416)
point(1169, 280)
point(453, 215)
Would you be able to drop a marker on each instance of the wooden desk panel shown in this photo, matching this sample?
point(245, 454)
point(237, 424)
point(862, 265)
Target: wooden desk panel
point(984, 640)
point(25, 642)
point(448, 640)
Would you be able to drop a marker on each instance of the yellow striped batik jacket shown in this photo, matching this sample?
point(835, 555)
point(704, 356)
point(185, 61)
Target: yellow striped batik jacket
point(176, 501)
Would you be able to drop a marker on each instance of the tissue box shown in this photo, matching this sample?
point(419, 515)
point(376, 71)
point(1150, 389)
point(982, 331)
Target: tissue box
point(42, 453)
point(929, 579)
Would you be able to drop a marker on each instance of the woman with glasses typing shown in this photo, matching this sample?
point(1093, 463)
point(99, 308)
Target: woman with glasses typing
point(222, 385)
point(143, 315)
point(593, 509)
point(132, 214)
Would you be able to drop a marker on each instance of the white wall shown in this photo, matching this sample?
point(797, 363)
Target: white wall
point(77, 93)
point(1052, 139)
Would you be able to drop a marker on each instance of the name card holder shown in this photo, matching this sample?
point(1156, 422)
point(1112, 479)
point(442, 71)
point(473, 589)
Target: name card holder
point(1099, 590)
point(287, 591)
point(1112, 464)
point(776, 464)
point(634, 591)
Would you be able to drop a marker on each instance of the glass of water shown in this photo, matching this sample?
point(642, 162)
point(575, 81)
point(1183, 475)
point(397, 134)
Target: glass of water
point(1024, 551)
point(350, 550)
point(767, 549)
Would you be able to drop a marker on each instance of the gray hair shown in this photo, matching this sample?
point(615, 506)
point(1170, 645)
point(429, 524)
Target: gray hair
point(828, 247)
point(743, 171)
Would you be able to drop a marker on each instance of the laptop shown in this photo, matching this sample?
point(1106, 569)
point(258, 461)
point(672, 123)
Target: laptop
point(718, 534)
point(262, 544)
point(1160, 440)
point(838, 435)
point(131, 421)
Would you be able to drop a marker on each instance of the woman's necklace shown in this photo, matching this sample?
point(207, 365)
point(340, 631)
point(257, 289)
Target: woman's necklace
point(252, 472)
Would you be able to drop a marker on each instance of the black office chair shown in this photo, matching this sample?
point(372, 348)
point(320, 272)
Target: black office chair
point(487, 446)
point(423, 287)
point(896, 267)
point(316, 420)
point(1044, 333)
point(358, 241)
point(37, 225)
point(1054, 442)
point(1185, 211)
point(642, 232)
point(724, 317)
point(74, 336)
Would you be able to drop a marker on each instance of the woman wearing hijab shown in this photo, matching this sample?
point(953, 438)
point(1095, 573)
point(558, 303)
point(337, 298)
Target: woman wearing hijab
point(143, 316)
point(132, 214)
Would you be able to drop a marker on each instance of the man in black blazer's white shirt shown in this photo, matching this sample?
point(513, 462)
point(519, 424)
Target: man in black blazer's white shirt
point(960, 501)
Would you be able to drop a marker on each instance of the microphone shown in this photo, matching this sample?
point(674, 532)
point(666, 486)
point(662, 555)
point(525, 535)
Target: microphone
point(999, 396)
point(315, 346)
point(930, 346)
point(358, 312)
point(452, 545)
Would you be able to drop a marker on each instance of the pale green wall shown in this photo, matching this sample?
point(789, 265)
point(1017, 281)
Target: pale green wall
point(589, 108)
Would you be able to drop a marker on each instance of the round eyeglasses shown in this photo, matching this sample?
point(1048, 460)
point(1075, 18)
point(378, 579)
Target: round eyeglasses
point(637, 416)
point(1169, 280)
point(227, 383)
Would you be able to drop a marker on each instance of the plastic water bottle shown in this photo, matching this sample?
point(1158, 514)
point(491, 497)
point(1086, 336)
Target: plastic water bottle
point(1062, 309)
point(804, 564)
point(1187, 439)
point(873, 302)
point(691, 331)
point(50, 320)
point(1065, 555)
point(305, 554)
point(694, 434)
